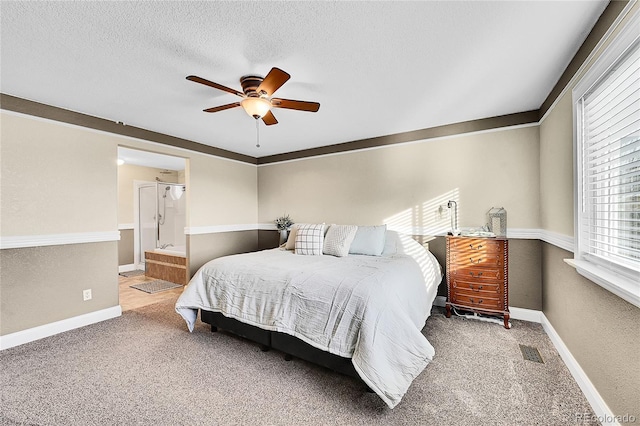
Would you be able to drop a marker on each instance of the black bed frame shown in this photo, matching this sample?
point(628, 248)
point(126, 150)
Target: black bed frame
point(291, 346)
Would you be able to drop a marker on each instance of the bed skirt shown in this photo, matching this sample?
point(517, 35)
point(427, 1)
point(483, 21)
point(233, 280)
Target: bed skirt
point(282, 342)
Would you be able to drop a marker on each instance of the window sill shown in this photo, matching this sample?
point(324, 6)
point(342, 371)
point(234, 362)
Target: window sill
point(619, 285)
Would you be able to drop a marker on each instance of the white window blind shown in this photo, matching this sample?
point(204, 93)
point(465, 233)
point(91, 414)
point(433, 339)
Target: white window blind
point(609, 167)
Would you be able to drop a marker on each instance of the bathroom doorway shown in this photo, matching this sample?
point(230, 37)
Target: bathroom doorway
point(152, 211)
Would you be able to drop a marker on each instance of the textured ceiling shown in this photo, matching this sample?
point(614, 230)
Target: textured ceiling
point(377, 68)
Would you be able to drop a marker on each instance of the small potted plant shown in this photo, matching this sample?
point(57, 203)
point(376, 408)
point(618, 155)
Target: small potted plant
point(283, 223)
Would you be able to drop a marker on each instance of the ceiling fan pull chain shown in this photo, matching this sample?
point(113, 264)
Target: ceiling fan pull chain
point(257, 133)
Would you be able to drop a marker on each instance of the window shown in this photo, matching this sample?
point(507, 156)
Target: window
point(607, 118)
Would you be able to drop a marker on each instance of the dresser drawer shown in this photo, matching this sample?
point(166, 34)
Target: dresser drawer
point(477, 274)
point(473, 245)
point(460, 286)
point(477, 259)
point(480, 302)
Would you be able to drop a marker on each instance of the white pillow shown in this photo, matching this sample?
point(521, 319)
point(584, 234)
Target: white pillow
point(390, 243)
point(310, 239)
point(369, 240)
point(338, 240)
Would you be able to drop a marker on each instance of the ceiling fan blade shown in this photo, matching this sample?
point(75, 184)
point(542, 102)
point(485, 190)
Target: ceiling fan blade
point(214, 85)
point(222, 107)
point(269, 119)
point(297, 105)
point(273, 81)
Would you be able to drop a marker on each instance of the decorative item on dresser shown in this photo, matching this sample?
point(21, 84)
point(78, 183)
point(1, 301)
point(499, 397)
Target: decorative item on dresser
point(477, 276)
point(284, 224)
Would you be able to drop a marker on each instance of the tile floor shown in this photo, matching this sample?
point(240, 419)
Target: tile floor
point(131, 298)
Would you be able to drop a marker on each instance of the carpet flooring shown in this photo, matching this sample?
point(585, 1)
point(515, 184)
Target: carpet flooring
point(145, 368)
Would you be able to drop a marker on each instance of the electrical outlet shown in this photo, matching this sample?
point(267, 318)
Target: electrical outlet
point(86, 294)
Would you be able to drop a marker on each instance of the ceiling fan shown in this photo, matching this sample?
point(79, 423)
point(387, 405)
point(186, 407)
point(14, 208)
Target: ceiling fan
point(256, 95)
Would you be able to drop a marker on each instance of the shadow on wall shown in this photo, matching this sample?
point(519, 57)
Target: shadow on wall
point(430, 218)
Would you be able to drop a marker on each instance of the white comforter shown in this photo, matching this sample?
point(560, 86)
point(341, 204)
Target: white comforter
point(371, 309)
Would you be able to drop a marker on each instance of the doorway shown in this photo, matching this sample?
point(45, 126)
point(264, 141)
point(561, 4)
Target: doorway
point(152, 206)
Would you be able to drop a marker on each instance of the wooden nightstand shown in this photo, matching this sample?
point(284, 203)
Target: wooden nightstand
point(477, 276)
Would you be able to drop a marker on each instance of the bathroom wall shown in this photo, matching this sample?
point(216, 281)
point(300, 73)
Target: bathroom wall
point(127, 175)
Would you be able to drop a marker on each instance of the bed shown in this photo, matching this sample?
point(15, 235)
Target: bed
point(360, 315)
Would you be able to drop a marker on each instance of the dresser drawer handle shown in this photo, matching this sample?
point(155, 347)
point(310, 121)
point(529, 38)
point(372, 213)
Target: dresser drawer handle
point(479, 274)
point(477, 248)
point(475, 289)
point(473, 300)
point(477, 261)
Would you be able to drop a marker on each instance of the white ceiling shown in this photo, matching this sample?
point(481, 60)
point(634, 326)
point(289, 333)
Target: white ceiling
point(376, 68)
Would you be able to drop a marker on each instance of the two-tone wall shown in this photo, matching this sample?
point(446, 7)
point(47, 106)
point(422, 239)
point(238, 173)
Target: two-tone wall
point(526, 170)
point(408, 186)
point(601, 330)
point(59, 218)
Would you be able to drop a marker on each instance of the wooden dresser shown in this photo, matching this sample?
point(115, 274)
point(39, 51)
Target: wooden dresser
point(477, 276)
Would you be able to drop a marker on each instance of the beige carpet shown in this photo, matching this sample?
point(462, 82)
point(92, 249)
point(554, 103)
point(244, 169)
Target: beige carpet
point(146, 368)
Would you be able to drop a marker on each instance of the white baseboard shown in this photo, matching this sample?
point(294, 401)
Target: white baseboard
point(523, 314)
point(516, 313)
point(36, 333)
point(127, 268)
point(600, 408)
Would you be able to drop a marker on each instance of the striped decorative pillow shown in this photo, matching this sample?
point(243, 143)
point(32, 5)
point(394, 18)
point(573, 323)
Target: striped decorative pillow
point(310, 239)
point(338, 239)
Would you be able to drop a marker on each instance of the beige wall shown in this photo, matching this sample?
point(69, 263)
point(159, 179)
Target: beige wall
point(126, 247)
point(556, 165)
point(204, 247)
point(41, 285)
point(55, 179)
point(127, 174)
point(405, 184)
point(221, 192)
point(60, 179)
point(599, 328)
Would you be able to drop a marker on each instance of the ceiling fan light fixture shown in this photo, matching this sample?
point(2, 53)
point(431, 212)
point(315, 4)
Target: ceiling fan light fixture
point(256, 107)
